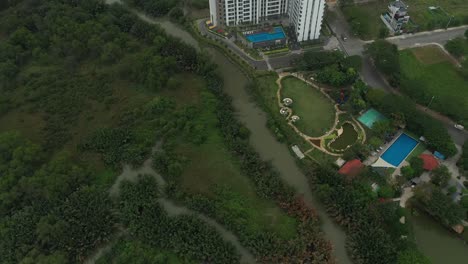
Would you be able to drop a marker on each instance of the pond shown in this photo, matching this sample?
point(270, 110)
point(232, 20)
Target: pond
point(439, 244)
point(348, 137)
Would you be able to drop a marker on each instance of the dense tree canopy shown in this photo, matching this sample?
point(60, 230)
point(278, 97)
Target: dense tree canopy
point(386, 58)
point(434, 131)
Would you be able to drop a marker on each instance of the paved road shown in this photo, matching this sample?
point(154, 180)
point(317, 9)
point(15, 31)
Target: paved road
point(438, 36)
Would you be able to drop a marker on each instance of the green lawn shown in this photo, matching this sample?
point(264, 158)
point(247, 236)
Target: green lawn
point(441, 80)
point(315, 110)
point(367, 20)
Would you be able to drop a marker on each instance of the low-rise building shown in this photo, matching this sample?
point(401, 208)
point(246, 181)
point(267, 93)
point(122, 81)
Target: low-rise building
point(396, 16)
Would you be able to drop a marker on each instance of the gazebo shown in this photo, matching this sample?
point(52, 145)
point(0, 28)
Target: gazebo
point(429, 162)
point(351, 168)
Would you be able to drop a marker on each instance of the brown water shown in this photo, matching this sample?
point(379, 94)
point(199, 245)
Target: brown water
point(438, 243)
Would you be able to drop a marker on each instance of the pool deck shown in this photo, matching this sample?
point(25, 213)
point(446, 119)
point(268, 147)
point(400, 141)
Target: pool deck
point(373, 159)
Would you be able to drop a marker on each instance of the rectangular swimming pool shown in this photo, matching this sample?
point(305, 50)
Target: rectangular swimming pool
point(399, 150)
point(277, 33)
point(370, 117)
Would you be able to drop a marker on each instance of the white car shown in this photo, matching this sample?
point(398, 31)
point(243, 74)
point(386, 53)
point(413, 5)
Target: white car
point(459, 127)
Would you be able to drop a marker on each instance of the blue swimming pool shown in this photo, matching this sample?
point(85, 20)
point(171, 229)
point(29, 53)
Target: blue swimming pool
point(370, 117)
point(277, 33)
point(399, 150)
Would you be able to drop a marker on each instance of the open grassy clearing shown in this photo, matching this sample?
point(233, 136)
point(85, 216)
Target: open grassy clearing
point(214, 173)
point(430, 55)
point(419, 12)
point(368, 15)
point(315, 110)
point(441, 80)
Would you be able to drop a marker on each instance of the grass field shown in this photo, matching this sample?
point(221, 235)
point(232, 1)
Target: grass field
point(212, 172)
point(437, 77)
point(429, 55)
point(315, 110)
point(367, 16)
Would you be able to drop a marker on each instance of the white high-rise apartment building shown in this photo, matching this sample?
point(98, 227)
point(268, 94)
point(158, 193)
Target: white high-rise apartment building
point(305, 15)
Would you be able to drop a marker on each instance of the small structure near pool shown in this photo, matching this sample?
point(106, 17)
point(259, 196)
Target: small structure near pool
point(287, 101)
point(429, 162)
point(351, 168)
point(284, 111)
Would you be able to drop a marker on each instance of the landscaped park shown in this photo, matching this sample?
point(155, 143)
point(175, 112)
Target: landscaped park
point(432, 78)
point(312, 114)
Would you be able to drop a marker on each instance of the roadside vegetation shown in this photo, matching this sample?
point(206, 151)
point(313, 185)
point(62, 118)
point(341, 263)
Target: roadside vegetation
point(429, 77)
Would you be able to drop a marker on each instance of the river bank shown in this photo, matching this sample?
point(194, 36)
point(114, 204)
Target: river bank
point(261, 138)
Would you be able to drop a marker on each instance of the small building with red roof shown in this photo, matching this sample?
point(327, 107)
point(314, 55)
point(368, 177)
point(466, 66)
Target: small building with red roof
point(429, 162)
point(351, 168)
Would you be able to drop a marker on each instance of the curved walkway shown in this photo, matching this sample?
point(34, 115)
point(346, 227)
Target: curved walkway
point(307, 138)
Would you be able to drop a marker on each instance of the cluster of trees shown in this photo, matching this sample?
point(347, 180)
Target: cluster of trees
point(187, 235)
point(415, 169)
point(155, 8)
point(357, 97)
point(463, 161)
point(434, 131)
point(386, 58)
point(331, 67)
point(128, 250)
point(439, 205)
point(50, 213)
point(375, 233)
point(131, 140)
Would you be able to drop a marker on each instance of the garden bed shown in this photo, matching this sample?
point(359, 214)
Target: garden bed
point(348, 137)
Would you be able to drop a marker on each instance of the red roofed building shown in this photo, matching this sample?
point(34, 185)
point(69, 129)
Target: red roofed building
point(351, 168)
point(429, 162)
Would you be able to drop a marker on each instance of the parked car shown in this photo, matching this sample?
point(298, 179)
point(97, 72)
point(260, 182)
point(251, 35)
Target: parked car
point(459, 127)
point(343, 37)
